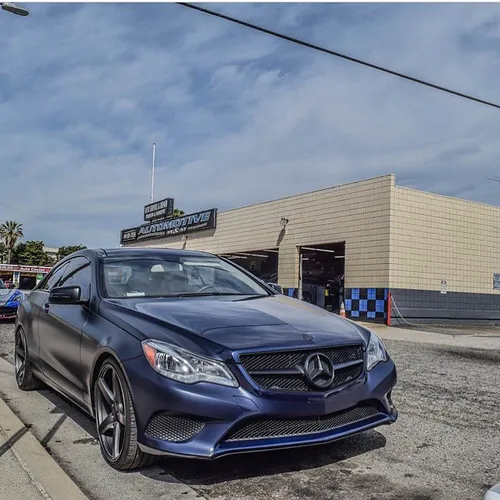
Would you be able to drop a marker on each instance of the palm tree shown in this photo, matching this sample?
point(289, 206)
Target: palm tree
point(10, 232)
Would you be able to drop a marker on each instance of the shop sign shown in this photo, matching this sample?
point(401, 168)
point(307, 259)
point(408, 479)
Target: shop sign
point(198, 221)
point(496, 281)
point(28, 269)
point(159, 210)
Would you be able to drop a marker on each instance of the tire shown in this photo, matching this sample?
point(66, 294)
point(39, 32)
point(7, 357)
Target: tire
point(26, 380)
point(115, 420)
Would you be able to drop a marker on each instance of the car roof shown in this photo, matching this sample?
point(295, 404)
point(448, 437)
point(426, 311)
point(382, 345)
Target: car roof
point(148, 252)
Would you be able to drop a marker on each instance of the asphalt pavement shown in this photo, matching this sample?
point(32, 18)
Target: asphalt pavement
point(444, 446)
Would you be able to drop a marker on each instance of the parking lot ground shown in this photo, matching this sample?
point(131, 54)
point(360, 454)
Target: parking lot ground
point(444, 445)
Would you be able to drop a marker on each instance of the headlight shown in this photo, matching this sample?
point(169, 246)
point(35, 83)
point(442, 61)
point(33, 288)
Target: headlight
point(184, 366)
point(376, 352)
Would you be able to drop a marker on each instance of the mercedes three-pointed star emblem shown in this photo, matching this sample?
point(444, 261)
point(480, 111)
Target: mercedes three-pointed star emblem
point(319, 371)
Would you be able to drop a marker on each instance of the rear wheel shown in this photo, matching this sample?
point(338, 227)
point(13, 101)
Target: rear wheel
point(25, 378)
point(115, 420)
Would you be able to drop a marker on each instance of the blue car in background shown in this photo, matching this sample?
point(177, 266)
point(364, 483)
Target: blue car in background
point(9, 301)
point(184, 353)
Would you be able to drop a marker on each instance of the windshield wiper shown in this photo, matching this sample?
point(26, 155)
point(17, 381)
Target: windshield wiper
point(208, 294)
point(253, 296)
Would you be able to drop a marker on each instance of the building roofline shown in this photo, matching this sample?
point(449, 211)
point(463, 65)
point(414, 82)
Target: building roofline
point(384, 176)
point(449, 197)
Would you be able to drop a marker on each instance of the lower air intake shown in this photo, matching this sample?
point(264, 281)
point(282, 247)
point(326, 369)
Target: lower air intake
point(265, 429)
point(173, 428)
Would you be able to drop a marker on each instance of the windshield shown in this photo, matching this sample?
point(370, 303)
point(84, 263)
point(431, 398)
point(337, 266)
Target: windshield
point(176, 277)
point(3, 286)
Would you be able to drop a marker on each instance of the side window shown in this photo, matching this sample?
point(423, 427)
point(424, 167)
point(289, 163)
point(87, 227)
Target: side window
point(53, 278)
point(78, 273)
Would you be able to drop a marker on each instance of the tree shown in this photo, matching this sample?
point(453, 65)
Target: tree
point(30, 253)
point(3, 252)
point(10, 232)
point(178, 212)
point(67, 250)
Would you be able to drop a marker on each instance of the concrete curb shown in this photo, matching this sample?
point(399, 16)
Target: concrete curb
point(43, 471)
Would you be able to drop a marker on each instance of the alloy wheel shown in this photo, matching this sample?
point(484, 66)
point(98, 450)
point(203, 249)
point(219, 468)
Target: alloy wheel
point(20, 356)
point(110, 413)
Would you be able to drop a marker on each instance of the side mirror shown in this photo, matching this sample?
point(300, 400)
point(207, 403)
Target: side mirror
point(65, 295)
point(277, 287)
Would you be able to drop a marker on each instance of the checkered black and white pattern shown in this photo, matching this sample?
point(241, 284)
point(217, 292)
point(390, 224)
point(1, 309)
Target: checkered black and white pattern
point(366, 303)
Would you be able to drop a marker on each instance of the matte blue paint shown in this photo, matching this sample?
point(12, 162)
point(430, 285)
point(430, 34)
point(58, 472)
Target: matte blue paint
point(220, 327)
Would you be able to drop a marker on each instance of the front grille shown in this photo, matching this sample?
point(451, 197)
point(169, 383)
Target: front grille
point(264, 369)
point(8, 310)
point(265, 429)
point(173, 428)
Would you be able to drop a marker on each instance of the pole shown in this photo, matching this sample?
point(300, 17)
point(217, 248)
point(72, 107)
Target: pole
point(300, 277)
point(153, 175)
point(389, 309)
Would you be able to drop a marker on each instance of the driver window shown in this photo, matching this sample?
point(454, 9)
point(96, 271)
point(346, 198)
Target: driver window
point(78, 274)
point(53, 278)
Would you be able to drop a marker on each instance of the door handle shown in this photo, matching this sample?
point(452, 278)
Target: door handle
point(46, 307)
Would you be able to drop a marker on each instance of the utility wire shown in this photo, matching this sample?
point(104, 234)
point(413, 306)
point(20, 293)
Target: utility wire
point(495, 179)
point(336, 54)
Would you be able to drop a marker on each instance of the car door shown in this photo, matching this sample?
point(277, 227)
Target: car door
point(60, 327)
point(37, 298)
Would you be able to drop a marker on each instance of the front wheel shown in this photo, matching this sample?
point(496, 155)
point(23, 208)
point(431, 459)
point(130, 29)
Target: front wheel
point(25, 378)
point(115, 420)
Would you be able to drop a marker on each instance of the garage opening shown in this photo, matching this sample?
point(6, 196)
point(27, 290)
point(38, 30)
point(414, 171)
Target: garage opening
point(6, 278)
point(27, 281)
point(261, 263)
point(321, 275)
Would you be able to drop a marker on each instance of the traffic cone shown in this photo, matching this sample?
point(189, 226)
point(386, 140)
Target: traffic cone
point(342, 310)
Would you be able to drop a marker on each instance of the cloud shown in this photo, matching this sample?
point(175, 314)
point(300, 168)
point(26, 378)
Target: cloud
point(238, 117)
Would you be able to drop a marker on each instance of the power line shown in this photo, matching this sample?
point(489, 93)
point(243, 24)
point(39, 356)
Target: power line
point(336, 54)
point(495, 179)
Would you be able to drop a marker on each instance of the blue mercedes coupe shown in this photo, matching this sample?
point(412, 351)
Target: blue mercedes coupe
point(184, 353)
point(9, 301)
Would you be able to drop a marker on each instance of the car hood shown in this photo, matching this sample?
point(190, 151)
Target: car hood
point(241, 324)
point(5, 295)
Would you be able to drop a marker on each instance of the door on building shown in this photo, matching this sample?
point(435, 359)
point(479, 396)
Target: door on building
point(60, 329)
point(261, 263)
point(322, 274)
point(7, 279)
point(27, 282)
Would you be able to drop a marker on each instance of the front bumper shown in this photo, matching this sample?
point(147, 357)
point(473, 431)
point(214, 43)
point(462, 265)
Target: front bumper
point(8, 311)
point(208, 421)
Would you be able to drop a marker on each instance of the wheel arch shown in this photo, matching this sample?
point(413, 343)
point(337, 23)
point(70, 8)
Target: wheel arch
point(101, 357)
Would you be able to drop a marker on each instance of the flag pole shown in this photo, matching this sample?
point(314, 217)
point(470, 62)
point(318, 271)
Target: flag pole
point(153, 174)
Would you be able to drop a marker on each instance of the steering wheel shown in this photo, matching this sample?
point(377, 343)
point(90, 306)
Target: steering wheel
point(206, 287)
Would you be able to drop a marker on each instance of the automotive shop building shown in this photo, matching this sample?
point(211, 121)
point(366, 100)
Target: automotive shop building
point(23, 277)
point(386, 251)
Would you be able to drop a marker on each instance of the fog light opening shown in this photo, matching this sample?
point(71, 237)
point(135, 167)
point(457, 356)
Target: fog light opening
point(389, 400)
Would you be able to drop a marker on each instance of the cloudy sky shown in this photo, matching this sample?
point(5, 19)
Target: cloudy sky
point(238, 117)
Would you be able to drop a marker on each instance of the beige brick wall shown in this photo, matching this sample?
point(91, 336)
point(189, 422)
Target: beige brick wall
point(358, 213)
point(436, 237)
